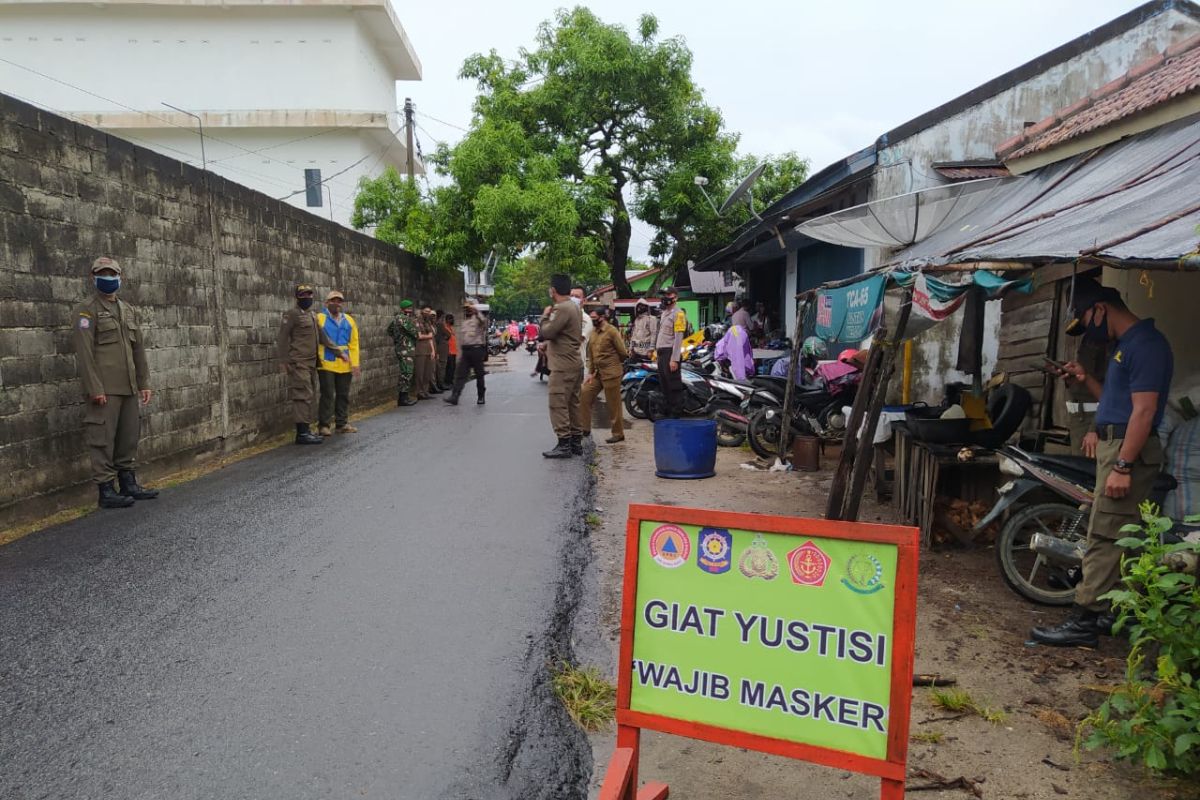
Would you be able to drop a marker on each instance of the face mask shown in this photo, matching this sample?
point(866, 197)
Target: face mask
point(1096, 331)
point(304, 302)
point(668, 301)
point(577, 300)
point(108, 285)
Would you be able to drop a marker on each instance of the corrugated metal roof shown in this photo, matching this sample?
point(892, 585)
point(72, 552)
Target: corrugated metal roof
point(1133, 199)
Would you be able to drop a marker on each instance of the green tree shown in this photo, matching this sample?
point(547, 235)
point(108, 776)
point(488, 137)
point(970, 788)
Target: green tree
point(590, 126)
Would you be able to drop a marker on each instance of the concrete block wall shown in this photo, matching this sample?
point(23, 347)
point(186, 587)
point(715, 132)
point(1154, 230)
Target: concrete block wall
point(210, 266)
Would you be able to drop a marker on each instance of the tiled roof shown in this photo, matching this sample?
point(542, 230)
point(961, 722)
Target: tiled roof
point(1157, 80)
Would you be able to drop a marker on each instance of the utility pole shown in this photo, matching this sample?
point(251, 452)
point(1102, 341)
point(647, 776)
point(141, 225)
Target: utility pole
point(408, 132)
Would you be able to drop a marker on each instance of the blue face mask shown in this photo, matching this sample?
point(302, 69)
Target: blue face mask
point(108, 285)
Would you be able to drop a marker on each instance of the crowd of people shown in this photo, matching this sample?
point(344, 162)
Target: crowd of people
point(319, 350)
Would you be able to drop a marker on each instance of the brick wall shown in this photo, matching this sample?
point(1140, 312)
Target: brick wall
point(210, 266)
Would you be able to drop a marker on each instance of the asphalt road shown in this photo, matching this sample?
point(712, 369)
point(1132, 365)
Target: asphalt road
point(367, 618)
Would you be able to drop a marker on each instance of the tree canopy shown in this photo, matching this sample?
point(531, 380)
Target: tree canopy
point(590, 127)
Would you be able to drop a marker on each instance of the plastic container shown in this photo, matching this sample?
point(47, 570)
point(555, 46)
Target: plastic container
point(685, 448)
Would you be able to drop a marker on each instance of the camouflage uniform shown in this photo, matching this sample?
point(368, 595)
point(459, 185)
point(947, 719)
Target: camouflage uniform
point(403, 330)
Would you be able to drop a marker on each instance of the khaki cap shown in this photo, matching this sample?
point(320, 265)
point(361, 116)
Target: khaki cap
point(103, 263)
point(334, 295)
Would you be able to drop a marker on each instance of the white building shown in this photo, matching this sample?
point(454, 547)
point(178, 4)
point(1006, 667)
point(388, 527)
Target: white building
point(281, 86)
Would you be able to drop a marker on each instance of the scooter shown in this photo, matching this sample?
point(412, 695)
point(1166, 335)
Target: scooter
point(817, 411)
point(1040, 547)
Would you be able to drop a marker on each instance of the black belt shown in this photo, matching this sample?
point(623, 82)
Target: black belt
point(1109, 432)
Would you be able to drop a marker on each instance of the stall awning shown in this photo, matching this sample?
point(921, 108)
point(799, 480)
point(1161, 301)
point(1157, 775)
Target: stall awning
point(1132, 200)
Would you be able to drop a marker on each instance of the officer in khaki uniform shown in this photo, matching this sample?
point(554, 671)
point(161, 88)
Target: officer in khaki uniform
point(110, 357)
point(560, 335)
point(1125, 444)
point(606, 356)
point(299, 336)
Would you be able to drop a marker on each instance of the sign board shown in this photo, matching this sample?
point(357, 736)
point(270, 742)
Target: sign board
point(787, 635)
point(850, 313)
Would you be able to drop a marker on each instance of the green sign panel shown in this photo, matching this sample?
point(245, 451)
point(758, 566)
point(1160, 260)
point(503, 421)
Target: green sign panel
point(780, 635)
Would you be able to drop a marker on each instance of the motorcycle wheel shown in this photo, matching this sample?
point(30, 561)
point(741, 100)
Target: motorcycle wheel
point(633, 407)
point(1030, 574)
point(764, 435)
point(727, 435)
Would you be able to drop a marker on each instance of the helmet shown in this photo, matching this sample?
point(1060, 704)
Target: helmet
point(814, 346)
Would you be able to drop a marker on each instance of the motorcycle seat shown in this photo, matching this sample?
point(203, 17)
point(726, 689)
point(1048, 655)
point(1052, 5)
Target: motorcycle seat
point(1080, 464)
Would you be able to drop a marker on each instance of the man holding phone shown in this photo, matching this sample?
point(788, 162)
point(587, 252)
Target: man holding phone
point(1125, 445)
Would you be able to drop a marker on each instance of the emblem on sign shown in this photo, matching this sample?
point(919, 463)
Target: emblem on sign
point(713, 555)
point(864, 574)
point(808, 564)
point(670, 546)
point(758, 561)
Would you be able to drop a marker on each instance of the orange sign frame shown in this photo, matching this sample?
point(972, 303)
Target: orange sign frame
point(620, 782)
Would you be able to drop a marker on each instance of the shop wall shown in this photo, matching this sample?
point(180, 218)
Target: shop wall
point(1171, 299)
point(210, 266)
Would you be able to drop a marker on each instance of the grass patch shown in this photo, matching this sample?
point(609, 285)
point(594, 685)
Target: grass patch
point(589, 698)
point(959, 701)
point(20, 531)
point(592, 519)
point(928, 737)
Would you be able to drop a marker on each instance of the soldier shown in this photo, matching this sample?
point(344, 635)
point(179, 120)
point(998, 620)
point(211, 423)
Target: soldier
point(110, 357)
point(606, 364)
point(560, 336)
point(299, 335)
point(403, 330)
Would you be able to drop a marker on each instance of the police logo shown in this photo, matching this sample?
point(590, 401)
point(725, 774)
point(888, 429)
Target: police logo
point(713, 555)
point(808, 564)
point(670, 546)
point(864, 574)
point(758, 561)
point(84, 323)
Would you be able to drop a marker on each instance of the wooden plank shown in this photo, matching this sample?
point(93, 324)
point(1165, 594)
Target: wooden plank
point(1015, 300)
point(1029, 347)
point(1027, 313)
point(1038, 329)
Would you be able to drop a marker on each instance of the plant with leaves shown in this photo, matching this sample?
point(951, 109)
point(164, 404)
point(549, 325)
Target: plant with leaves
point(1154, 716)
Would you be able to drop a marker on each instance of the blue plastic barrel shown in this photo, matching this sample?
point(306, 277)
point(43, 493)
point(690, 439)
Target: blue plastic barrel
point(685, 448)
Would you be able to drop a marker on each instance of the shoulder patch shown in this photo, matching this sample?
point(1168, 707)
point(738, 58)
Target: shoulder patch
point(85, 322)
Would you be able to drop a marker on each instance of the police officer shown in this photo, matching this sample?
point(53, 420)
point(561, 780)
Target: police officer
point(110, 357)
point(425, 354)
point(1125, 444)
point(560, 336)
point(299, 336)
point(472, 342)
point(672, 326)
point(403, 330)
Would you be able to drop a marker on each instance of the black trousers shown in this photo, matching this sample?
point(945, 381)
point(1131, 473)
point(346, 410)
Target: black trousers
point(335, 397)
point(448, 378)
point(671, 382)
point(471, 358)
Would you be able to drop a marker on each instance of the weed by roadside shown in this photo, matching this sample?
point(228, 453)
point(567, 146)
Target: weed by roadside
point(593, 520)
point(588, 697)
point(928, 737)
point(959, 701)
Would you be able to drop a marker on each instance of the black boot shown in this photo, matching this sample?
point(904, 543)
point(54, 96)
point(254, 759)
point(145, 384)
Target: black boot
point(479, 400)
point(577, 445)
point(130, 487)
point(452, 399)
point(561, 450)
point(305, 436)
point(110, 499)
point(405, 400)
point(1079, 629)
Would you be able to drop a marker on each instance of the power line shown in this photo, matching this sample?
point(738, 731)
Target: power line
point(447, 124)
point(334, 129)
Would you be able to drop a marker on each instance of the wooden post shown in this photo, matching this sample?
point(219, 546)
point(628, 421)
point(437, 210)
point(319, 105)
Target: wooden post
point(837, 489)
point(790, 389)
point(864, 454)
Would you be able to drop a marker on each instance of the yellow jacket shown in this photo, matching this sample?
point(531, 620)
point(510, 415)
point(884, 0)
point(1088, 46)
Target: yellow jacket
point(345, 336)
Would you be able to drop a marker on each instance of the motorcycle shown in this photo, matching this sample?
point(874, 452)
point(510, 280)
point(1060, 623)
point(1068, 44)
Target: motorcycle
point(817, 410)
point(1039, 549)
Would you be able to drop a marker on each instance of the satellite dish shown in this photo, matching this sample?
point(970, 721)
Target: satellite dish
point(742, 190)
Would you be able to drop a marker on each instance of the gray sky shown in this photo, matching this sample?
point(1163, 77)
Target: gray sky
point(819, 77)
